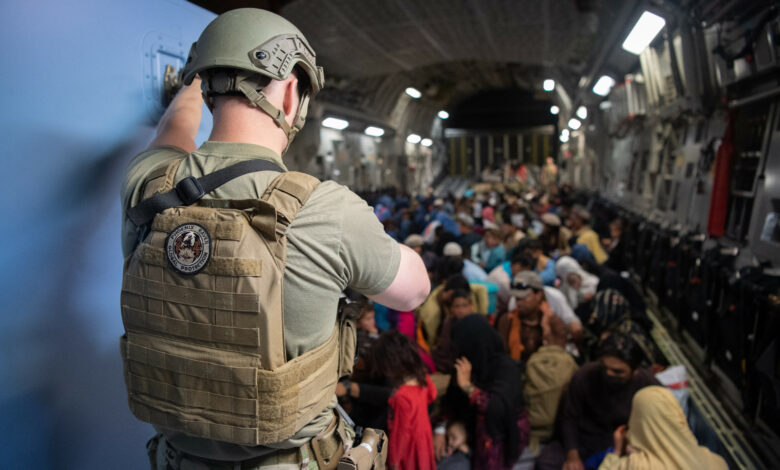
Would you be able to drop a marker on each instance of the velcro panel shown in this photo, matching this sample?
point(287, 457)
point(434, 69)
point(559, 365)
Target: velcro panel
point(287, 398)
point(141, 319)
point(218, 229)
point(206, 370)
point(194, 424)
point(191, 296)
point(191, 398)
point(217, 265)
point(289, 191)
point(191, 382)
point(161, 178)
point(298, 369)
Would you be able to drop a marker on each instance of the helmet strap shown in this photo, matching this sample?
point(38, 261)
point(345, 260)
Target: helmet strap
point(259, 100)
point(248, 85)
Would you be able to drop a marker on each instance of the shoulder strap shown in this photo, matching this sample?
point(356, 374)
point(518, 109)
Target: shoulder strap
point(287, 193)
point(161, 179)
point(190, 190)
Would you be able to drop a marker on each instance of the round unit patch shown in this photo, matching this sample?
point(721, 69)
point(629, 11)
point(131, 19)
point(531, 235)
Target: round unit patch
point(188, 248)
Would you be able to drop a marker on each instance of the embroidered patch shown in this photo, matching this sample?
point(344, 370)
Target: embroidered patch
point(188, 248)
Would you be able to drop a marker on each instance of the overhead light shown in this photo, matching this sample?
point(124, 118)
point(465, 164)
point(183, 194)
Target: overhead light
point(335, 123)
point(605, 105)
point(554, 109)
point(549, 84)
point(645, 30)
point(582, 112)
point(374, 131)
point(426, 142)
point(574, 123)
point(565, 132)
point(443, 114)
point(413, 139)
point(604, 85)
point(413, 92)
point(564, 138)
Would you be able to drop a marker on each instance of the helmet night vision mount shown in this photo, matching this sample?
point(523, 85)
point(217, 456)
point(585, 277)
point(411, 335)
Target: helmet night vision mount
point(241, 49)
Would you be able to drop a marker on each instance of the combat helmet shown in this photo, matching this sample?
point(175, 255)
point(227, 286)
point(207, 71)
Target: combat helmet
point(241, 49)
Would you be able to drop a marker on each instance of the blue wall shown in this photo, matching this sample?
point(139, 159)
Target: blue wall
point(76, 106)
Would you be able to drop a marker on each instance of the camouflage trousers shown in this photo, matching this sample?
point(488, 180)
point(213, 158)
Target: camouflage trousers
point(162, 456)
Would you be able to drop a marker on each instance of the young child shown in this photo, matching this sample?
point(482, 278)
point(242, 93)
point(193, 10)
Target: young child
point(367, 332)
point(409, 427)
point(458, 452)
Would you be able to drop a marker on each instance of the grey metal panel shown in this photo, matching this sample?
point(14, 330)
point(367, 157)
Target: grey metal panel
point(766, 246)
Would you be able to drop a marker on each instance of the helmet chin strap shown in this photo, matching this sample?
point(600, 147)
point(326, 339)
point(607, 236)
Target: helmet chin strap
point(248, 84)
point(258, 99)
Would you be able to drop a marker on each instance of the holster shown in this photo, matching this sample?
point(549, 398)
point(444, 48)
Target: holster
point(348, 314)
point(151, 450)
point(329, 445)
point(370, 454)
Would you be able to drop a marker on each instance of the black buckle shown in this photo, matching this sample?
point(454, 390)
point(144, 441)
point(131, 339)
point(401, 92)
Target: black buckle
point(189, 190)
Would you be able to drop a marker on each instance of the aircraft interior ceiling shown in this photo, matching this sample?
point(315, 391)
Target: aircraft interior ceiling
point(442, 94)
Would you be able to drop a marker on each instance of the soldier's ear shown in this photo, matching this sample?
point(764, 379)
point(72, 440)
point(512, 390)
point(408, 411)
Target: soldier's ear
point(291, 98)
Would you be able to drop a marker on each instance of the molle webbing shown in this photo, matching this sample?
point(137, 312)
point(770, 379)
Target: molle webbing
point(204, 353)
point(257, 406)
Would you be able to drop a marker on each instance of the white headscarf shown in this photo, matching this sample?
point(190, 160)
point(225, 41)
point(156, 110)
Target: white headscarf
point(567, 265)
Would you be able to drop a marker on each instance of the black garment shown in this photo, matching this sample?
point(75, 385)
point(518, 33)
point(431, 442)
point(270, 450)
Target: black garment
point(442, 239)
point(443, 356)
point(494, 372)
point(365, 341)
point(370, 408)
point(468, 239)
point(592, 410)
point(457, 461)
point(617, 258)
point(609, 279)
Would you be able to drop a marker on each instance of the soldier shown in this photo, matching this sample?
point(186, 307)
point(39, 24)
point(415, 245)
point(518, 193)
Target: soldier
point(234, 266)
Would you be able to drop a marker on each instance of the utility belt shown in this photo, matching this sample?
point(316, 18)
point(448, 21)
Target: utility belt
point(331, 449)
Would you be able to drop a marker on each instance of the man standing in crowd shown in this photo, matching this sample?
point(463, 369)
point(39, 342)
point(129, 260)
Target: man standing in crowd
point(192, 326)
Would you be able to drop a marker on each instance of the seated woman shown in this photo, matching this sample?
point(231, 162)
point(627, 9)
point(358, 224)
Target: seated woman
point(486, 393)
point(658, 437)
point(597, 402)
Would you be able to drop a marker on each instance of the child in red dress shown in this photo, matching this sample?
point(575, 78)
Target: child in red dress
point(409, 426)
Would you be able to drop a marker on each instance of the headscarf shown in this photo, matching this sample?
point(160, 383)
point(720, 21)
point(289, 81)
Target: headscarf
point(657, 429)
point(495, 373)
point(567, 265)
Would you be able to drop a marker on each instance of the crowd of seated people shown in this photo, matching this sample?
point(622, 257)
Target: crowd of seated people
point(531, 351)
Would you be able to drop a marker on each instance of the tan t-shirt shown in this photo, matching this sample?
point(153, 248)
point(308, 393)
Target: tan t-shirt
point(335, 242)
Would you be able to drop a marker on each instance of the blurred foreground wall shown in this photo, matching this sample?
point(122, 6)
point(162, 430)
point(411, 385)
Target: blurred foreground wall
point(79, 99)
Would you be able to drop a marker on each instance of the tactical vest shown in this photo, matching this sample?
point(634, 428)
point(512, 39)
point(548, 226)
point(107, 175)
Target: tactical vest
point(202, 307)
